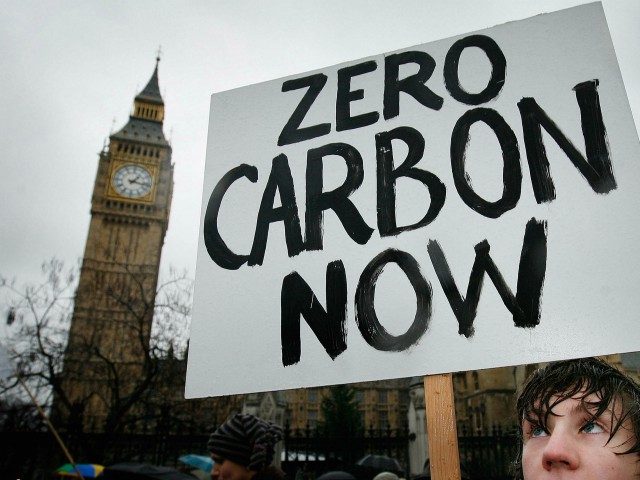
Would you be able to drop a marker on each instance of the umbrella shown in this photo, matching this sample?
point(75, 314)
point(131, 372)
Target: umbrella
point(201, 462)
point(336, 475)
point(87, 470)
point(379, 463)
point(142, 471)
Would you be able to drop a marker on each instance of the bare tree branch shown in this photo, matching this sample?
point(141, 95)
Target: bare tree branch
point(153, 319)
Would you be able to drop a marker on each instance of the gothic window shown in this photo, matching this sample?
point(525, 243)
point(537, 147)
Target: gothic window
point(267, 407)
point(312, 418)
point(383, 420)
point(312, 395)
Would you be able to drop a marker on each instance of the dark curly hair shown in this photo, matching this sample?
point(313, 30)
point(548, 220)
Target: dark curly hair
point(584, 379)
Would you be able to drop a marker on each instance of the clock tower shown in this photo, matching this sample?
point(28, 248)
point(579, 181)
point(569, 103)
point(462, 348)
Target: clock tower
point(114, 304)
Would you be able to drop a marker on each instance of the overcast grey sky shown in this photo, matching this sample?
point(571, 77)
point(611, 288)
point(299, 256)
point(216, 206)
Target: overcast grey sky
point(70, 69)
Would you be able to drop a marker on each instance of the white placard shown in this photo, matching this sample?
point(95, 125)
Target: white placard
point(313, 164)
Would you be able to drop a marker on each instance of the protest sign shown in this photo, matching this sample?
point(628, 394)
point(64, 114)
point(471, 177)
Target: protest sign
point(463, 204)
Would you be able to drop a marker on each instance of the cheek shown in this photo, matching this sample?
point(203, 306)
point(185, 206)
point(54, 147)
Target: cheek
point(531, 460)
point(230, 471)
point(226, 472)
point(626, 467)
point(606, 465)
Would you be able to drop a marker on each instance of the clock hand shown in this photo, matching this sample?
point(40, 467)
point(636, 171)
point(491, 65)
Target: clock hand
point(142, 184)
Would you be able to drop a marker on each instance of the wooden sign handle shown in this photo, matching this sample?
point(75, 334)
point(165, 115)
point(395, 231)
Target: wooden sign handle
point(442, 433)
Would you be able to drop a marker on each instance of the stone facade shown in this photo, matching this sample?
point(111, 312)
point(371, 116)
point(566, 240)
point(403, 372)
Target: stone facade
point(382, 404)
point(115, 298)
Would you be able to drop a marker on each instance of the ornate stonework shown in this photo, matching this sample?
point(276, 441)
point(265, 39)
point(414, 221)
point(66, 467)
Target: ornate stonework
point(115, 298)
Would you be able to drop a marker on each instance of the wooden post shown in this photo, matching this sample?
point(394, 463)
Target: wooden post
point(441, 427)
point(49, 424)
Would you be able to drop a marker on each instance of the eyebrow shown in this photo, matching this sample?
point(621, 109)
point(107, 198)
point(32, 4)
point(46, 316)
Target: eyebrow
point(581, 407)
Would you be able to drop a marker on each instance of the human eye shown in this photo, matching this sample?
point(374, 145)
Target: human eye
point(534, 431)
point(538, 431)
point(591, 426)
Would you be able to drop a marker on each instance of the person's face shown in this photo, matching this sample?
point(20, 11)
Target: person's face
point(224, 469)
point(575, 446)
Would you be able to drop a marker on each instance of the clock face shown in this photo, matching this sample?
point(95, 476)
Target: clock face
point(132, 181)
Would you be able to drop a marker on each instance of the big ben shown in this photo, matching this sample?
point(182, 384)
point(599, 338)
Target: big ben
point(114, 304)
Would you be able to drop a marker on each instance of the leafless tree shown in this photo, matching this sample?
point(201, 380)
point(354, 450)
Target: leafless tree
point(37, 322)
point(111, 382)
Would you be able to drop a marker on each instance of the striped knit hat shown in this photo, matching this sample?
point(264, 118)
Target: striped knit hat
point(246, 440)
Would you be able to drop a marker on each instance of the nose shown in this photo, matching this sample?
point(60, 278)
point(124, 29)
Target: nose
point(560, 452)
point(215, 471)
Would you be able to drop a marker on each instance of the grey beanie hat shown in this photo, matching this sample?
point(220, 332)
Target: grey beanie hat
point(246, 440)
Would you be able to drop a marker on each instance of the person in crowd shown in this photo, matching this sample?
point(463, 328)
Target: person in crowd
point(579, 419)
point(243, 448)
point(386, 476)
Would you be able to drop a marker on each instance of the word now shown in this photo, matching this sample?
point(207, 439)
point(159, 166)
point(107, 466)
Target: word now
point(297, 298)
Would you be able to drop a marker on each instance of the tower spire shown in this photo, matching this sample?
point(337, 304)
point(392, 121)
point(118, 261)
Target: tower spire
point(145, 121)
point(151, 92)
